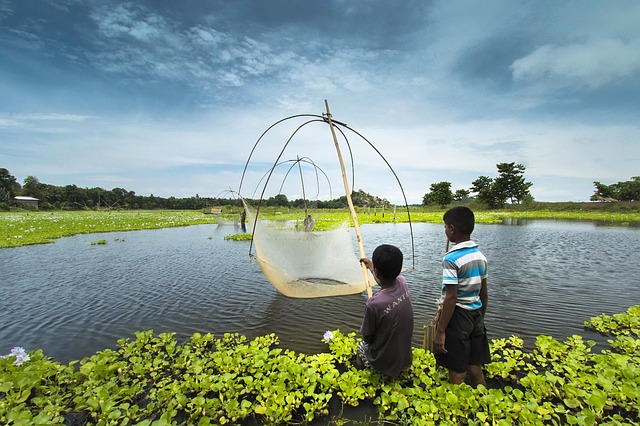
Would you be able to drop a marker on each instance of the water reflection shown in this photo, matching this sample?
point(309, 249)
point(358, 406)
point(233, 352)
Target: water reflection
point(518, 221)
point(73, 299)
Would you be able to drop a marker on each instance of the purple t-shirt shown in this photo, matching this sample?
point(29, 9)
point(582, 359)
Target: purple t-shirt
point(388, 318)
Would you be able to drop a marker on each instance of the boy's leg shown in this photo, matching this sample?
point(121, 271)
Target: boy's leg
point(477, 377)
point(456, 359)
point(479, 353)
point(457, 378)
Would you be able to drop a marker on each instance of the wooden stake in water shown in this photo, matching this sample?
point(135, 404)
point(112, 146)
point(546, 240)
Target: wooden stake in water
point(365, 272)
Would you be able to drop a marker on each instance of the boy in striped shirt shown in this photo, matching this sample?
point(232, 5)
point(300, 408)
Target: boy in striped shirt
point(460, 340)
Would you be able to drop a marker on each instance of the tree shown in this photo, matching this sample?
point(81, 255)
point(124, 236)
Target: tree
point(621, 191)
point(9, 186)
point(461, 194)
point(603, 192)
point(509, 185)
point(439, 194)
point(483, 186)
point(32, 187)
point(279, 200)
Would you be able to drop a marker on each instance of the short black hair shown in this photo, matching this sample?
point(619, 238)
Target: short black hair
point(387, 259)
point(461, 217)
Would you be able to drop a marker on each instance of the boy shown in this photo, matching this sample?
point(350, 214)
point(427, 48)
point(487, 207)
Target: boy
point(460, 340)
point(387, 327)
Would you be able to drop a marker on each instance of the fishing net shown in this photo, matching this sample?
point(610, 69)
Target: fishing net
point(302, 263)
point(297, 260)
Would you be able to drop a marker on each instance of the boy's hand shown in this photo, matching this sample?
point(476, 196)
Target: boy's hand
point(438, 342)
point(367, 262)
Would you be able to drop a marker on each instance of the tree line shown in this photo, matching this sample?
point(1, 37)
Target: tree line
point(621, 191)
point(510, 185)
point(72, 197)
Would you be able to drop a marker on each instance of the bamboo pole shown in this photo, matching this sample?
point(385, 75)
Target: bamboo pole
point(365, 272)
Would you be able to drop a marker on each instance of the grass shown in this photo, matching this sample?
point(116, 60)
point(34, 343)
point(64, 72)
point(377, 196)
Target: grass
point(26, 228)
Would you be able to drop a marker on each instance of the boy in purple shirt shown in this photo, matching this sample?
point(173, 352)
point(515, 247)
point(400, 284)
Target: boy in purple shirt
point(387, 328)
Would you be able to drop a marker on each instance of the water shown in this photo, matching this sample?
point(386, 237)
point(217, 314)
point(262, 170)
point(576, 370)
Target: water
point(72, 299)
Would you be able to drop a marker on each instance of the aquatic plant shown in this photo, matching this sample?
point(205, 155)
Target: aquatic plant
point(230, 380)
point(238, 237)
point(25, 228)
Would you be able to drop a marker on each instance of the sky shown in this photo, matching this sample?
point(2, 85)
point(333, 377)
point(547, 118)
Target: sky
point(171, 98)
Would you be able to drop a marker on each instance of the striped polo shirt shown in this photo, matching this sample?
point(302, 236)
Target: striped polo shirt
point(465, 266)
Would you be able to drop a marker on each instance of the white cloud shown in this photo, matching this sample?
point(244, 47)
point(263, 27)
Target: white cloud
point(593, 63)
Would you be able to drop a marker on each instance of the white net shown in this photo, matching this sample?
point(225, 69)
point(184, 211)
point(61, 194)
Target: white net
point(306, 264)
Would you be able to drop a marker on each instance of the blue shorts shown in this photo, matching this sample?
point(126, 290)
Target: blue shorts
point(466, 341)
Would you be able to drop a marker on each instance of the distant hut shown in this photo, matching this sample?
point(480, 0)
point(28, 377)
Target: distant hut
point(27, 201)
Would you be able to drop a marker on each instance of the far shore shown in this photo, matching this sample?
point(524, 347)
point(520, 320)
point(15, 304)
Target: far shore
point(20, 228)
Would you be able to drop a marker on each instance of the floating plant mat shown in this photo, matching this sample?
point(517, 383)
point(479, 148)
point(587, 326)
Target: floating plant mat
point(306, 264)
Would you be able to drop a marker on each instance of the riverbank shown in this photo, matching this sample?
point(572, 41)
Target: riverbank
point(40, 227)
point(231, 380)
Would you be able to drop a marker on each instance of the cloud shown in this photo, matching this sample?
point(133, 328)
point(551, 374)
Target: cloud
point(591, 64)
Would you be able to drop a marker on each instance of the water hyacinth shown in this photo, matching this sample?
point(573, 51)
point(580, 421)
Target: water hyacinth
point(328, 336)
point(20, 355)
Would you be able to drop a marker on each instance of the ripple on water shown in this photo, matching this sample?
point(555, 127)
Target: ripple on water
point(73, 299)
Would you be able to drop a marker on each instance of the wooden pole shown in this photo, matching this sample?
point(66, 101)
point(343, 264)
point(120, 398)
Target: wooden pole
point(354, 217)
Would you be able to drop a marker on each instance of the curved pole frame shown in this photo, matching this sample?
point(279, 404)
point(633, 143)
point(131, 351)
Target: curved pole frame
point(338, 126)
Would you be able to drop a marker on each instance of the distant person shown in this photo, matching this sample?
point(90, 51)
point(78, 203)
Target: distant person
point(309, 223)
point(387, 327)
point(460, 340)
point(243, 218)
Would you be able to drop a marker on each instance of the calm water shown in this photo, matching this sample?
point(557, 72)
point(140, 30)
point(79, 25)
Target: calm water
point(72, 299)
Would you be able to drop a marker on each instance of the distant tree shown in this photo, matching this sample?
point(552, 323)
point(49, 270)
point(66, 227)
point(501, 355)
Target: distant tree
point(630, 190)
point(509, 185)
point(461, 194)
point(439, 194)
point(74, 197)
point(483, 186)
point(279, 200)
point(361, 198)
point(9, 186)
point(32, 187)
point(603, 192)
point(621, 191)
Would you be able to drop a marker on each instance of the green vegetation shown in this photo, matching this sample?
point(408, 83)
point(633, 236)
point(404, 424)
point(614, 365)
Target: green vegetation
point(510, 186)
point(238, 237)
point(231, 380)
point(25, 228)
point(621, 191)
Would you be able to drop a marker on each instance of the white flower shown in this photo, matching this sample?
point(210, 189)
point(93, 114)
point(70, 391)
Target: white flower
point(328, 336)
point(20, 354)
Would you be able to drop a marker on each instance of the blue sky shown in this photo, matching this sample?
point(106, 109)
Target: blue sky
point(169, 97)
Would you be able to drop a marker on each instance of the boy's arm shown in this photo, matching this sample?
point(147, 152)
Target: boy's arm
point(368, 328)
point(368, 263)
point(484, 296)
point(448, 306)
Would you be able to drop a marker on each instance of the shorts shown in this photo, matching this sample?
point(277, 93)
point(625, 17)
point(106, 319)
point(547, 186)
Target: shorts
point(466, 341)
